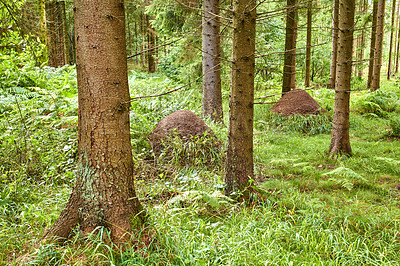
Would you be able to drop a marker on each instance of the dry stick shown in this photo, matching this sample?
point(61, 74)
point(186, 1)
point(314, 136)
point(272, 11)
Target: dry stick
point(171, 91)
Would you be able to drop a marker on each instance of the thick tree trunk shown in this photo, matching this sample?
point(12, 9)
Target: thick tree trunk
point(389, 73)
point(380, 23)
point(212, 96)
point(289, 67)
point(239, 157)
point(104, 194)
point(372, 46)
point(57, 36)
point(340, 141)
point(335, 32)
point(308, 48)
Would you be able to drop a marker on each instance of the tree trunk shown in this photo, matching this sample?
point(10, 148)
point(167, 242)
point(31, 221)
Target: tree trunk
point(289, 67)
point(376, 77)
point(212, 96)
point(389, 73)
point(104, 194)
point(396, 42)
point(151, 60)
point(335, 32)
point(372, 45)
point(239, 156)
point(308, 48)
point(361, 40)
point(57, 36)
point(340, 141)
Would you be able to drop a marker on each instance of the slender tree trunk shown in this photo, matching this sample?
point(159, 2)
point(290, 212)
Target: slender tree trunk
point(398, 48)
point(361, 40)
point(104, 194)
point(212, 96)
point(239, 156)
point(373, 42)
point(340, 141)
point(335, 32)
point(151, 44)
point(380, 23)
point(396, 42)
point(289, 67)
point(308, 48)
point(389, 73)
point(57, 36)
point(43, 35)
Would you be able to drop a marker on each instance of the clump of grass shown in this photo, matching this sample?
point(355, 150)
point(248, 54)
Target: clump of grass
point(395, 126)
point(309, 124)
point(203, 150)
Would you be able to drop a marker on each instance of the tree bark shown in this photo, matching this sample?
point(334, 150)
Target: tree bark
point(340, 140)
point(308, 46)
point(104, 194)
point(380, 23)
point(389, 73)
point(335, 32)
point(212, 96)
point(239, 157)
point(57, 36)
point(289, 67)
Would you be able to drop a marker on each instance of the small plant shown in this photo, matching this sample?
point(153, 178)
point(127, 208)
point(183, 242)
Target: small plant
point(394, 126)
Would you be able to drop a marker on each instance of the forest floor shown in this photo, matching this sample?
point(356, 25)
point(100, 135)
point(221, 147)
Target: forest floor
point(344, 210)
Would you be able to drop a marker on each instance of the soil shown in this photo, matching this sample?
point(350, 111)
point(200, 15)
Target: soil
point(297, 102)
point(184, 122)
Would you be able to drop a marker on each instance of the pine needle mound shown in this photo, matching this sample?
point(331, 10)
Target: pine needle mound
point(297, 102)
point(183, 138)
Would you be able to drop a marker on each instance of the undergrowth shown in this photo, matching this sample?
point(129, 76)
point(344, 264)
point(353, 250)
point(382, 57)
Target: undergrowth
point(319, 210)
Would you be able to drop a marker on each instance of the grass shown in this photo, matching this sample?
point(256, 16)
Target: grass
point(319, 211)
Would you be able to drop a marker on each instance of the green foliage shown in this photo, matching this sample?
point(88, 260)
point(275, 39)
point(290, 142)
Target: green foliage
point(377, 103)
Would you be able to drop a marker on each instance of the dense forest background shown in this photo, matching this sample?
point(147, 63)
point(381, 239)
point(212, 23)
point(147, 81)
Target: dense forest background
point(315, 207)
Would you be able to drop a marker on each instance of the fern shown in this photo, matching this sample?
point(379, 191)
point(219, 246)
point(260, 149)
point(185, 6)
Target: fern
point(344, 176)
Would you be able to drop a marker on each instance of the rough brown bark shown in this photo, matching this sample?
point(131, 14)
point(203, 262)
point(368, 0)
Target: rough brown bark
point(104, 194)
point(389, 73)
point(380, 23)
point(57, 37)
point(239, 157)
point(372, 45)
point(308, 46)
point(335, 32)
point(340, 140)
point(289, 67)
point(212, 96)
